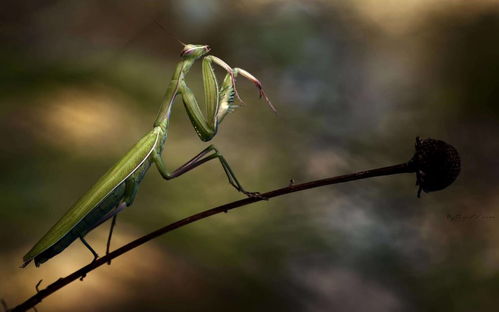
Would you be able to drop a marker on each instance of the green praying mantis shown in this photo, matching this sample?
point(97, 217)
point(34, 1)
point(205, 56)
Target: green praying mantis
point(117, 188)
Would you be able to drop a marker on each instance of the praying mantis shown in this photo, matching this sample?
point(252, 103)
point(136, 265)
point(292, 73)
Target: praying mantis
point(117, 188)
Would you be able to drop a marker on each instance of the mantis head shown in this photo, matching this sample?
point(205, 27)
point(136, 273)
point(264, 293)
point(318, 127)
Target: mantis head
point(194, 51)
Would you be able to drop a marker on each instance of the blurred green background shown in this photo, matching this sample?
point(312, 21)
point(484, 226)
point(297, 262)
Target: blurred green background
point(354, 83)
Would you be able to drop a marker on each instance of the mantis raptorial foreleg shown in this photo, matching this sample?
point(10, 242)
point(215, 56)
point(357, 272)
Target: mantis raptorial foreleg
point(219, 101)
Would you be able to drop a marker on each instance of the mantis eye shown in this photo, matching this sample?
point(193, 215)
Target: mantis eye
point(195, 50)
point(187, 50)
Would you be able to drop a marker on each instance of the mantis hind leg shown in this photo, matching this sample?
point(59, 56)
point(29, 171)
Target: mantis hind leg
point(131, 187)
point(89, 248)
point(108, 243)
point(209, 153)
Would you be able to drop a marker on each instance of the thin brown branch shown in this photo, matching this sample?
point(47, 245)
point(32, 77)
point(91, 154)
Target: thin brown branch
point(82, 272)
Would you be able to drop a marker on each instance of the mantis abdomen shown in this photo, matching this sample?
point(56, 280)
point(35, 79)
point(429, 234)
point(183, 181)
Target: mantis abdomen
point(89, 222)
point(117, 186)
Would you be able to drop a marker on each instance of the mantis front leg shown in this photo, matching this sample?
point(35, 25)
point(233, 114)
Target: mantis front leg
point(219, 101)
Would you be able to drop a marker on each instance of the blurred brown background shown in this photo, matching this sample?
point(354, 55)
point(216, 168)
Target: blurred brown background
point(354, 82)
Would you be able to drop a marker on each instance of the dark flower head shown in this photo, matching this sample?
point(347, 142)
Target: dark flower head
point(437, 164)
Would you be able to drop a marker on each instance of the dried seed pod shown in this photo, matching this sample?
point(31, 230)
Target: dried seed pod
point(437, 164)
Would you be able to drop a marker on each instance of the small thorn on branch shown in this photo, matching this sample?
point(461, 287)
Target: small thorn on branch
point(38, 285)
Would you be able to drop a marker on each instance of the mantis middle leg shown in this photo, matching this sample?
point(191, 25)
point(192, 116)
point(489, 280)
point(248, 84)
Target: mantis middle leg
point(207, 154)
